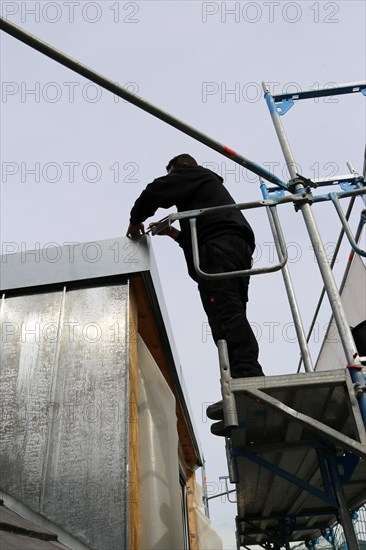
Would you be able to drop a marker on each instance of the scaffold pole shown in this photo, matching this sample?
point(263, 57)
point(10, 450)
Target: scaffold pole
point(349, 347)
point(122, 92)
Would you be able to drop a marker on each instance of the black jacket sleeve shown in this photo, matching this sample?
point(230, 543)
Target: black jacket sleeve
point(163, 192)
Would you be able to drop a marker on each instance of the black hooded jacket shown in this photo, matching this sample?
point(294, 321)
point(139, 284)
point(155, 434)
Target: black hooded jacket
point(192, 188)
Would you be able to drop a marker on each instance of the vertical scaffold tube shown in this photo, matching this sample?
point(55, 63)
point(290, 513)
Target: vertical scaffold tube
point(344, 513)
point(349, 347)
point(300, 332)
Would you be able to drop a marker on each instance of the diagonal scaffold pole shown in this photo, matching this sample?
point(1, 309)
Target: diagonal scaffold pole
point(348, 344)
point(122, 92)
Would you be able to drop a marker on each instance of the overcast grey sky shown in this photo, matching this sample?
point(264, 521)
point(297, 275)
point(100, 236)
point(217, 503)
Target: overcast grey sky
point(74, 158)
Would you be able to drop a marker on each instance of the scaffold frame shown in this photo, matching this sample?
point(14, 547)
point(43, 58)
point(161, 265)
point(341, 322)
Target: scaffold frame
point(332, 439)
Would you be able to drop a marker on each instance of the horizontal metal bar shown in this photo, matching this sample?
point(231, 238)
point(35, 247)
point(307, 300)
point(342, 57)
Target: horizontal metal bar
point(341, 195)
point(322, 92)
point(304, 197)
point(303, 515)
point(348, 178)
point(120, 91)
point(294, 527)
point(291, 478)
point(295, 199)
point(286, 381)
point(281, 250)
point(205, 499)
point(343, 441)
point(325, 197)
point(263, 448)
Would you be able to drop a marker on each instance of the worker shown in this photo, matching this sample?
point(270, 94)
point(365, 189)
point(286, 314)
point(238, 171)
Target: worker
point(226, 243)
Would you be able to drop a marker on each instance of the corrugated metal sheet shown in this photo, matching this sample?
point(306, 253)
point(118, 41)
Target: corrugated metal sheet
point(64, 449)
point(30, 270)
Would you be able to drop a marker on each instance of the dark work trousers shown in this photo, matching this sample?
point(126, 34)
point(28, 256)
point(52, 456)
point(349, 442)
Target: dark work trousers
point(225, 302)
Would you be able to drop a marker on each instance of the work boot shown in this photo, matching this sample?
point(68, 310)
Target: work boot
point(219, 428)
point(215, 411)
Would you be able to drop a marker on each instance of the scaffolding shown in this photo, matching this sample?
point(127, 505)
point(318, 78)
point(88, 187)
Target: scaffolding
point(301, 437)
point(298, 467)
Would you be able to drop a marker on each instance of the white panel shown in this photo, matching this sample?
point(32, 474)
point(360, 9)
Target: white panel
point(208, 539)
point(160, 501)
point(331, 355)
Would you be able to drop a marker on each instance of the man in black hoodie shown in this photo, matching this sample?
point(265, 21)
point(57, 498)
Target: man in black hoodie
point(226, 243)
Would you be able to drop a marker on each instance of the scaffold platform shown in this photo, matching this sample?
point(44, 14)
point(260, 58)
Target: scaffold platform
point(298, 449)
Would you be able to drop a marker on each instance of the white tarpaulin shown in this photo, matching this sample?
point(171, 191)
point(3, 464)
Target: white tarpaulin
point(208, 539)
point(331, 355)
point(161, 524)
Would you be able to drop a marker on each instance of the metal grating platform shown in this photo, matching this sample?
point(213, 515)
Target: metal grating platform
point(295, 435)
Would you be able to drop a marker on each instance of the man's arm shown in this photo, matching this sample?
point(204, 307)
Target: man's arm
point(135, 230)
point(161, 193)
point(170, 231)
